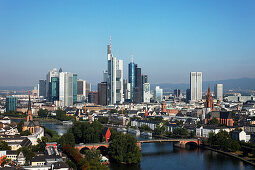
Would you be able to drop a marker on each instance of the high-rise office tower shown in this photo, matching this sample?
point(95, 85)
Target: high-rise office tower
point(177, 92)
point(138, 95)
point(218, 91)
point(102, 93)
point(82, 90)
point(54, 85)
point(196, 86)
point(53, 73)
point(127, 90)
point(131, 77)
point(11, 103)
point(66, 88)
point(42, 88)
point(146, 93)
point(158, 94)
point(114, 78)
point(93, 97)
point(145, 79)
point(74, 88)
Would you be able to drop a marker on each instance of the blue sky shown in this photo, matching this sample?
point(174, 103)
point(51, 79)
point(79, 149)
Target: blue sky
point(167, 38)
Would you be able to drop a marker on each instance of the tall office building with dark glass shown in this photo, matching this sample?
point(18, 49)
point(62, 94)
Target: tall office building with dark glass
point(74, 88)
point(54, 88)
point(11, 103)
point(131, 78)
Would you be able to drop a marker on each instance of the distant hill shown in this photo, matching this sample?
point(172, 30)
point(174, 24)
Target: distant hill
point(234, 84)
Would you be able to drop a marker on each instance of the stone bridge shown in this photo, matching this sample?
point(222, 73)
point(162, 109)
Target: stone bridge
point(177, 142)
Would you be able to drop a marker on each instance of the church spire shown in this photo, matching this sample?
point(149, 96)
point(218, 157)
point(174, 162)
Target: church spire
point(29, 110)
point(29, 101)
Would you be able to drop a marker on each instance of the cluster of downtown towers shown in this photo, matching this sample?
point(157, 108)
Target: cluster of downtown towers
point(65, 89)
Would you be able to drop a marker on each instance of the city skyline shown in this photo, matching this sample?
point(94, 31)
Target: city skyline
point(166, 42)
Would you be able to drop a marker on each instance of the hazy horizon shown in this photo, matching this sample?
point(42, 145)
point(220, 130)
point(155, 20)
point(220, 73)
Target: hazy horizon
point(168, 39)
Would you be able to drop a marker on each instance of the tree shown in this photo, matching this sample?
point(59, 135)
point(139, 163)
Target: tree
point(4, 161)
point(67, 138)
point(123, 149)
point(4, 146)
point(20, 125)
point(25, 133)
point(43, 112)
point(40, 147)
point(159, 130)
point(214, 121)
point(180, 132)
point(93, 157)
point(145, 128)
point(103, 120)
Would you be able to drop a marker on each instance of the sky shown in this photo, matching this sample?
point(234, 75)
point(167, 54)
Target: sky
point(168, 39)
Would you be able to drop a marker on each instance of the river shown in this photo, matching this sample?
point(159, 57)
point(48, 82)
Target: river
point(164, 156)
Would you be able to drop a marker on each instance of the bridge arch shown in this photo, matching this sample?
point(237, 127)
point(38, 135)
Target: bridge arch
point(103, 149)
point(82, 150)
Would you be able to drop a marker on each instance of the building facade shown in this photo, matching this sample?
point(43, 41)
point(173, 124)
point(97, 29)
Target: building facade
point(11, 103)
point(102, 93)
point(158, 94)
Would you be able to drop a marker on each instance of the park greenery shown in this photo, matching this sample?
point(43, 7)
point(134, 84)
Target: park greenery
point(4, 146)
point(52, 134)
point(222, 141)
point(43, 113)
point(123, 148)
point(61, 115)
point(103, 120)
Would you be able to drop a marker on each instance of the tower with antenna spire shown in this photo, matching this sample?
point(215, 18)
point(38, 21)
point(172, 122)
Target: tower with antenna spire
point(114, 78)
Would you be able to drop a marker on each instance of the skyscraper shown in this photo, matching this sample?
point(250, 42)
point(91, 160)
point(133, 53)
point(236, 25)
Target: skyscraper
point(138, 85)
point(66, 88)
point(196, 86)
point(131, 77)
point(42, 88)
point(102, 93)
point(218, 91)
point(54, 88)
point(114, 78)
point(53, 73)
point(158, 94)
point(146, 93)
point(74, 88)
point(82, 90)
point(10, 103)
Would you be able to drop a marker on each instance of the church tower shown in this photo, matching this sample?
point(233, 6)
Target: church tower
point(29, 110)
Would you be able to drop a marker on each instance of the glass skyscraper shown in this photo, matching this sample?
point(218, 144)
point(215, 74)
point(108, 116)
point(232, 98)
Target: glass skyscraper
point(196, 86)
point(11, 103)
point(75, 88)
point(54, 89)
point(131, 78)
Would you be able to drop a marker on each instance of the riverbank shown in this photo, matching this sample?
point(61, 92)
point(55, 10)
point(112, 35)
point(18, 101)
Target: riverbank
point(37, 119)
point(228, 154)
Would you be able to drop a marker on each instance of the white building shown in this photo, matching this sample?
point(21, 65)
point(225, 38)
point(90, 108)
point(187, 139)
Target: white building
point(158, 94)
point(218, 91)
point(196, 86)
point(114, 79)
point(146, 92)
point(204, 131)
point(66, 88)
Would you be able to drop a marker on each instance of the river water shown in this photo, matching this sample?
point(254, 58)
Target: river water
point(164, 156)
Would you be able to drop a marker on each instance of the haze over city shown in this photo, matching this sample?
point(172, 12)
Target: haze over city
point(167, 39)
